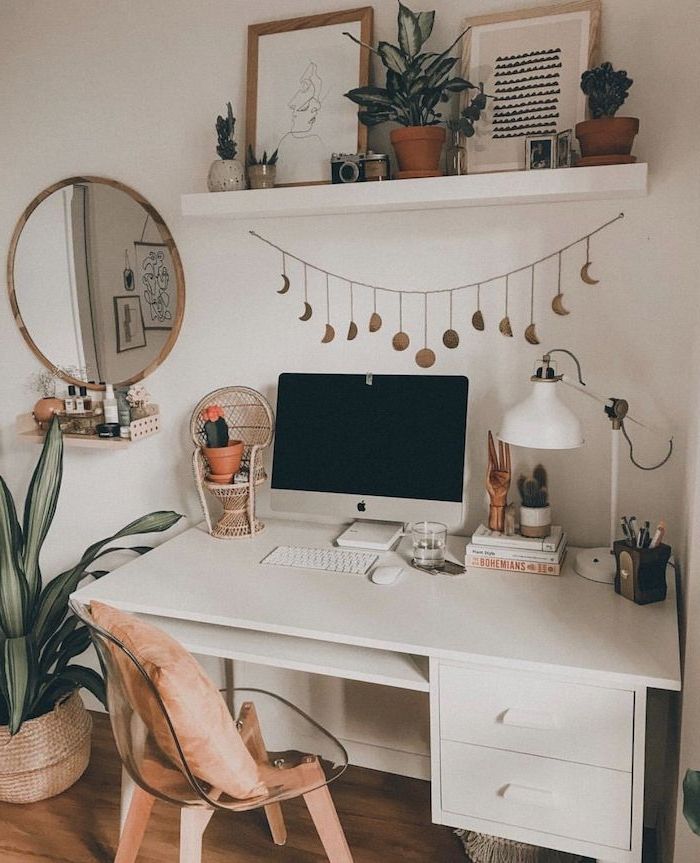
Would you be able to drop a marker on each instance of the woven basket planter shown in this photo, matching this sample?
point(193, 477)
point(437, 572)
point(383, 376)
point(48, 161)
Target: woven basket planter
point(48, 754)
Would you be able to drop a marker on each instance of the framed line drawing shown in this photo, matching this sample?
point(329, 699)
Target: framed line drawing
point(153, 284)
point(531, 62)
point(128, 319)
point(298, 72)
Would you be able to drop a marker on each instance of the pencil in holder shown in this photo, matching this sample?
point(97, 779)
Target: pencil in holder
point(641, 572)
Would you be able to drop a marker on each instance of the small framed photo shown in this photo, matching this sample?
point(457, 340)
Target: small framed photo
point(128, 318)
point(564, 148)
point(540, 152)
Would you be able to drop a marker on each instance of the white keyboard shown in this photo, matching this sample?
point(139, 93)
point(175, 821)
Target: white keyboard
point(327, 559)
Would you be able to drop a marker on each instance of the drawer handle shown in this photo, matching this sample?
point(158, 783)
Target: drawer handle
point(530, 796)
point(522, 718)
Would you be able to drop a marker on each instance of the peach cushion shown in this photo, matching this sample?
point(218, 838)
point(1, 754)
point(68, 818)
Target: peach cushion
point(207, 734)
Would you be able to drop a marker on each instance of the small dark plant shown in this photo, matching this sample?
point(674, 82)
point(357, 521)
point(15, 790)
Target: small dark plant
point(416, 81)
point(464, 123)
point(606, 89)
point(251, 158)
point(691, 800)
point(224, 129)
point(533, 490)
point(215, 427)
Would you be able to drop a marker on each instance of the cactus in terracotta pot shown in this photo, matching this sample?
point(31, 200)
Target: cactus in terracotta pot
point(223, 455)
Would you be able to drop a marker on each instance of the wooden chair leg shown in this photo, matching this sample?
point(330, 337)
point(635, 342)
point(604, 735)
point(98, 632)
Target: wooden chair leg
point(134, 825)
point(330, 830)
point(193, 823)
point(275, 819)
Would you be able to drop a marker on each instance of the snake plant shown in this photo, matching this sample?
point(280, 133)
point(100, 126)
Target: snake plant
point(39, 636)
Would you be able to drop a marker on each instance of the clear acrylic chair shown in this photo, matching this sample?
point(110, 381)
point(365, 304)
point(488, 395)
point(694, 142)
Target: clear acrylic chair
point(302, 760)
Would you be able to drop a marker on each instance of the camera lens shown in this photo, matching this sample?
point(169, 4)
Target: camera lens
point(349, 172)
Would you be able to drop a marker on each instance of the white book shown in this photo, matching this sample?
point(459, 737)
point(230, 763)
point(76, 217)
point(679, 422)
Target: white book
point(522, 554)
point(484, 536)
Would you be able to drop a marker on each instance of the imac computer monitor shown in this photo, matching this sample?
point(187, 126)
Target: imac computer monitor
point(378, 447)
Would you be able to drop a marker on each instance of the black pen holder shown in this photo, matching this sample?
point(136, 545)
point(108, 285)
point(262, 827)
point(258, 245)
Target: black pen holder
point(641, 572)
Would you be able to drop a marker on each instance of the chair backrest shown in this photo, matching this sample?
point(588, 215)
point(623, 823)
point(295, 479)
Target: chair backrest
point(168, 777)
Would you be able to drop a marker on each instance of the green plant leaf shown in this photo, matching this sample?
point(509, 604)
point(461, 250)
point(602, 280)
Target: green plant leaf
point(392, 57)
point(82, 677)
point(410, 35)
point(49, 650)
point(40, 504)
point(368, 97)
point(14, 592)
point(457, 85)
point(425, 23)
point(691, 800)
point(73, 645)
point(374, 118)
point(17, 667)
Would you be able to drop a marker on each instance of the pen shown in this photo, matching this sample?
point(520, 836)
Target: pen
point(658, 535)
point(625, 529)
point(631, 522)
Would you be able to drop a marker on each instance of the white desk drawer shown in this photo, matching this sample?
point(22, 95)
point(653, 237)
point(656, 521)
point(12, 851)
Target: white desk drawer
point(575, 801)
point(530, 714)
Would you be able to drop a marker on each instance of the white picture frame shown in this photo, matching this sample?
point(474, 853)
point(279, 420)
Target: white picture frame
point(540, 152)
point(530, 62)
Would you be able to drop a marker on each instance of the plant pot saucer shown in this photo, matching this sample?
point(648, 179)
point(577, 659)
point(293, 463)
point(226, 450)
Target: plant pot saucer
point(590, 161)
point(415, 175)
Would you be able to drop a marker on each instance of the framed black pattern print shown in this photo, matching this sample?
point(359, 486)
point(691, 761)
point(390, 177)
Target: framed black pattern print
point(530, 62)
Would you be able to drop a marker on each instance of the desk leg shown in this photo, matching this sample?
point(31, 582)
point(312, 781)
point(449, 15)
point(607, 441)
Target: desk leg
point(127, 793)
point(228, 681)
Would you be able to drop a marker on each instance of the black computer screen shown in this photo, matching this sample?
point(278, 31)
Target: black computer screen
point(399, 436)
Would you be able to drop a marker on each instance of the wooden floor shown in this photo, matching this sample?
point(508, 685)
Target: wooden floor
point(386, 819)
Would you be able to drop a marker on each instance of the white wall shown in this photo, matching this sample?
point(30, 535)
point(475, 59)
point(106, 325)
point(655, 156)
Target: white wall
point(131, 91)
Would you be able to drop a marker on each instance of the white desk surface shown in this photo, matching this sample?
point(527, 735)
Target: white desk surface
point(564, 625)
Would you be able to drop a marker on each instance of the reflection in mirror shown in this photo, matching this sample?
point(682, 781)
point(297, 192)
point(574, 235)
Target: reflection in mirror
point(98, 288)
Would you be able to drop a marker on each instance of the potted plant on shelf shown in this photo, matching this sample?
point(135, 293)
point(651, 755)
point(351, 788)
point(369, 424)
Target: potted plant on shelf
point(535, 512)
point(261, 172)
point(417, 82)
point(223, 455)
point(606, 139)
point(44, 727)
point(44, 382)
point(226, 173)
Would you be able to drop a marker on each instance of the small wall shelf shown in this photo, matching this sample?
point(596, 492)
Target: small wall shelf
point(27, 429)
point(473, 190)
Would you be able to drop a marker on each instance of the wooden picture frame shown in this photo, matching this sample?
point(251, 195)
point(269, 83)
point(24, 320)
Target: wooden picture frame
point(560, 104)
point(128, 322)
point(266, 129)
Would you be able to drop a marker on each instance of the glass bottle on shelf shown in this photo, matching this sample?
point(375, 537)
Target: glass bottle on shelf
point(456, 154)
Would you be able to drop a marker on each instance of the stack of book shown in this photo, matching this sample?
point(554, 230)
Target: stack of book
point(492, 550)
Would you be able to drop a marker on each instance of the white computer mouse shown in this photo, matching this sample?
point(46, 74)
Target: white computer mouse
point(385, 574)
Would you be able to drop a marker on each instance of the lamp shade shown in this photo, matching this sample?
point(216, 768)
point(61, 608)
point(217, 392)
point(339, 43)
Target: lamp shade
point(542, 421)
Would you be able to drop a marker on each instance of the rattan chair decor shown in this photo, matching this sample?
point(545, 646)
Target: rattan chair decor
point(287, 772)
point(249, 418)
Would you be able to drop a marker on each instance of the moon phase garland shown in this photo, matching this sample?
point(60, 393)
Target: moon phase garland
point(425, 357)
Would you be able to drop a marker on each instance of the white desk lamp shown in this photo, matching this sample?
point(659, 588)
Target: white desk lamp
point(543, 421)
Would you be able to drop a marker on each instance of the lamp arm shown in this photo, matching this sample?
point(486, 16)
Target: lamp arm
point(547, 358)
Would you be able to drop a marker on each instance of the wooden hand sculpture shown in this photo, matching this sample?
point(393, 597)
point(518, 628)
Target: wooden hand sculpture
point(498, 483)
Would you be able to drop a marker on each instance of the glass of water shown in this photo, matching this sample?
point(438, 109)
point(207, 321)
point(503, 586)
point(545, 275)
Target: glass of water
point(429, 539)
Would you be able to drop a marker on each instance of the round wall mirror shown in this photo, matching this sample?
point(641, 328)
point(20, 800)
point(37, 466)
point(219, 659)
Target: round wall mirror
point(96, 282)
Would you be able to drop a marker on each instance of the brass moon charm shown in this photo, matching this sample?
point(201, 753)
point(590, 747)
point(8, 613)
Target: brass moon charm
point(308, 311)
point(586, 276)
point(375, 322)
point(557, 306)
point(285, 285)
point(400, 341)
point(531, 335)
point(329, 335)
point(478, 320)
point(505, 327)
point(450, 338)
point(425, 358)
point(352, 331)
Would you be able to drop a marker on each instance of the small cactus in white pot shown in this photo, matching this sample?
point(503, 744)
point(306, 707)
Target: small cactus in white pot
point(535, 512)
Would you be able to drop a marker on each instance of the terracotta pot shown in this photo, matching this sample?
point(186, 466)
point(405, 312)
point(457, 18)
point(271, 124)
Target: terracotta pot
point(418, 150)
point(223, 461)
point(607, 138)
point(45, 408)
point(535, 521)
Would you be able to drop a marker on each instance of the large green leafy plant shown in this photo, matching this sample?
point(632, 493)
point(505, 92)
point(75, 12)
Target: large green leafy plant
point(417, 82)
point(39, 636)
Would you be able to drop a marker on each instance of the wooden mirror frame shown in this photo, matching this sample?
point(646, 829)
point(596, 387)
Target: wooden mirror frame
point(166, 238)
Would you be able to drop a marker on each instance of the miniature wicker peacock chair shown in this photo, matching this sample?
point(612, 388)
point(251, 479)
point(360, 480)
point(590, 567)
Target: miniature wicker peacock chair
point(249, 418)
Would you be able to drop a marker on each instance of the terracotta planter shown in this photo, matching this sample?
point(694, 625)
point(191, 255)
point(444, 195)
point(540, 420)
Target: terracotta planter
point(607, 140)
point(535, 521)
point(47, 755)
point(45, 408)
point(418, 150)
point(223, 461)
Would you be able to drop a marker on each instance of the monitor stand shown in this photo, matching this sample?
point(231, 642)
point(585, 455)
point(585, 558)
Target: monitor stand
point(377, 535)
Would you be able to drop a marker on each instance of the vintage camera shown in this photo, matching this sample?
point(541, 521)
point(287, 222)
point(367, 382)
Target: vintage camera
point(359, 167)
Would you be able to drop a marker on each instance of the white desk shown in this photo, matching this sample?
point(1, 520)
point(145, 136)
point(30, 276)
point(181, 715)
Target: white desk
point(537, 685)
